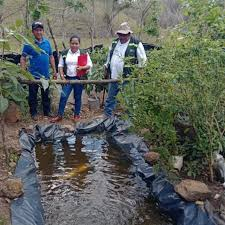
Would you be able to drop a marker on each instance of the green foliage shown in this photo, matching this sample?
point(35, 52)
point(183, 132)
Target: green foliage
point(10, 88)
point(45, 83)
point(152, 23)
point(186, 75)
point(78, 6)
point(98, 58)
point(37, 9)
point(3, 104)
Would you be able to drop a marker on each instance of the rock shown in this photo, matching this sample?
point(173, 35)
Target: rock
point(192, 190)
point(12, 164)
point(11, 188)
point(177, 162)
point(152, 157)
point(12, 114)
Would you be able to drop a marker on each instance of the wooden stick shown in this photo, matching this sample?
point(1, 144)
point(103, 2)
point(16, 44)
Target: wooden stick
point(53, 38)
point(75, 81)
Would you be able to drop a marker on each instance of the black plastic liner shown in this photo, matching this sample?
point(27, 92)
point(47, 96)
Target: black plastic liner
point(27, 210)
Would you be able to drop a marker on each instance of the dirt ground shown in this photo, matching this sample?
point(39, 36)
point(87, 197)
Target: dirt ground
point(12, 144)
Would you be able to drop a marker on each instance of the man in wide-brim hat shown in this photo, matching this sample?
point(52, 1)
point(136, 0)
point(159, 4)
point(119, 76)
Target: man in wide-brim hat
point(125, 46)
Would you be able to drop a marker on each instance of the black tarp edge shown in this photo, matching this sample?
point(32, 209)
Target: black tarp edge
point(27, 210)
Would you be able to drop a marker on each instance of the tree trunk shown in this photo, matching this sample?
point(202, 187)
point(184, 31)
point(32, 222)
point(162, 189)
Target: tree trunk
point(63, 26)
point(94, 20)
point(91, 32)
point(27, 15)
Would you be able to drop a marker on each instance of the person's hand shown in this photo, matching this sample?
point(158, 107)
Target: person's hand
point(79, 68)
point(106, 74)
point(63, 77)
point(55, 75)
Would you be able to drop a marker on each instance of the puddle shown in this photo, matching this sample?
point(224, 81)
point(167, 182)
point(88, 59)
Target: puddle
point(89, 182)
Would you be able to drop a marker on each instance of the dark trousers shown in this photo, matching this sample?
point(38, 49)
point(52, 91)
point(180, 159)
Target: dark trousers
point(66, 90)
point(32, 99)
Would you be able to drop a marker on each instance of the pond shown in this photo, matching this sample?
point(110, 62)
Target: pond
point(89, 182)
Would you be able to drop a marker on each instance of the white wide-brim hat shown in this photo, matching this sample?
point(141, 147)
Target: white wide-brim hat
point(124, 29)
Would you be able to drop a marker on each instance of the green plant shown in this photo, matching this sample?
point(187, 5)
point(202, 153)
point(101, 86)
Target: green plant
point(10, 87)
point(34, 10)
point(186, 75)
point(98, 58)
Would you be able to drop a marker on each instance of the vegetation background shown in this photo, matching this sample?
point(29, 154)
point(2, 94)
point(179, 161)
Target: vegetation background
point(183, 83)
point(94, 20)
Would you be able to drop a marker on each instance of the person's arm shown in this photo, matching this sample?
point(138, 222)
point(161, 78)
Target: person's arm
point(52, 62)
point(23, 58)
point(108, 57)
point(61, 73)
point(60, 67)
point(88, 66)
point(141, 55)
point(23, 62)
point(106, 65)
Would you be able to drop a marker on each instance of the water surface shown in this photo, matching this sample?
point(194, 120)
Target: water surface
point(89, 182)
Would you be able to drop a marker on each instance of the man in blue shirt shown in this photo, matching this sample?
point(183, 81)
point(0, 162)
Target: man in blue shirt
point(38, 67)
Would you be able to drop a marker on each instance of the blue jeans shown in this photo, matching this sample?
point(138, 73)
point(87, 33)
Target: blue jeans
point(32, 99)
point(66, 90)
point(111, 102)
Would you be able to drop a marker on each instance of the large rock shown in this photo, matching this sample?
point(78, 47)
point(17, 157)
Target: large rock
point(11, 188)
point(12, 114)
point(152, 157)
point(192, 190)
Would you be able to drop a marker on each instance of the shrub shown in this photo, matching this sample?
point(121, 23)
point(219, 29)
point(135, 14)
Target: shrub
point(186, 75)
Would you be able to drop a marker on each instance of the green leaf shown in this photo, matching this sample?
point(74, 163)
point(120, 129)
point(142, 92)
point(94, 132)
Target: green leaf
point(6, 46)
point(45, 83)
point(21, 38)
point(19, 23)
point(3, 104)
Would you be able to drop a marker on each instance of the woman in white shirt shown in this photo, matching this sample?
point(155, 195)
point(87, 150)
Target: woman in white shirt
point(70, 70)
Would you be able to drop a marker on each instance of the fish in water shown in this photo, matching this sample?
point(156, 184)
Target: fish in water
point(80, 169)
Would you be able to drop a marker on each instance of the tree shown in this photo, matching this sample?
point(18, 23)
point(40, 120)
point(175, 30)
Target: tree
point(34, 10)
point(142, 7)
point(112, 9)
point(69, 8)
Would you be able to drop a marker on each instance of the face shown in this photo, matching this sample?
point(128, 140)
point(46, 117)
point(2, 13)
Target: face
point(74, 44)
point(123, 37)
point(38, 33)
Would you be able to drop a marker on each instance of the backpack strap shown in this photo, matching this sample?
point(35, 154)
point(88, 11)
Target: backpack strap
point(64, 54)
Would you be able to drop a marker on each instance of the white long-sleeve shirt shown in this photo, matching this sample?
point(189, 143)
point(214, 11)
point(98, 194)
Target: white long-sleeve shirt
point(117, 60)
point(71, 62)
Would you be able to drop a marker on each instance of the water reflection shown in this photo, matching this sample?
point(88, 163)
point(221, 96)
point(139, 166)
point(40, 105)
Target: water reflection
point(100, 187)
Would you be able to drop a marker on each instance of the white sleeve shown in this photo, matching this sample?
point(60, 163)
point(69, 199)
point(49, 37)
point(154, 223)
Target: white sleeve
point(141, 55)
point(89, 62)
point(108, 56)
point(61, 62)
